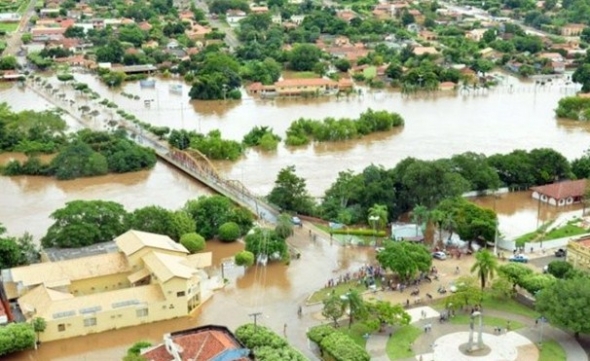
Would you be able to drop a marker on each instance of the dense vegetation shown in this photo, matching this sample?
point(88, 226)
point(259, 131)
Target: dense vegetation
point(211, 145)
point(337, 345)
point(267, 242)
point(414, 182)
point(577, 108)
point(267, 345)
point(302, 131)
point(82, 223)
point(16, 337)
point(16, 251)
point(262, 137)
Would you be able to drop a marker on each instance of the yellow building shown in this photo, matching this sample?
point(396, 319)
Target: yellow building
point(578, 253)
point(150, 278)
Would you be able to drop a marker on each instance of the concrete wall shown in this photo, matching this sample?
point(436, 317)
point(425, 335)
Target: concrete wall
point(99, 284)
point(485, 193)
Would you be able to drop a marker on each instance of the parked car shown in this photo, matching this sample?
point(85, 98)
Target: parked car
point(520, 258)
point(560, 253)
point(296, 221)
point(439, 255)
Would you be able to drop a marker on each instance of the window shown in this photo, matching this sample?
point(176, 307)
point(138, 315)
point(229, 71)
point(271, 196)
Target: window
point(180, 294)
point(61, 327)
point(90, 321)
point(141, 312)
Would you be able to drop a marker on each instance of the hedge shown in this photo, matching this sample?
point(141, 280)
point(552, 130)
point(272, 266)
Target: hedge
point(359, 232)
point(337, 345)
point(16, 337)
point(267, 345)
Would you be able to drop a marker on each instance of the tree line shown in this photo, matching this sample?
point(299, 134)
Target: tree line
point(82, 223)
point(413, 182)
point(302, 131)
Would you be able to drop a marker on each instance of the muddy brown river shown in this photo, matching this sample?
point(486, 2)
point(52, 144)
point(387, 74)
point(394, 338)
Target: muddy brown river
point(512, 116)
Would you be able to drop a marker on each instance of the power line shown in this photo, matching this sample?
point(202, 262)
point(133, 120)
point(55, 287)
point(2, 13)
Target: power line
point(255, 315)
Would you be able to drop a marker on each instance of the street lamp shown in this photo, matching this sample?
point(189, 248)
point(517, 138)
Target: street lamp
point(374, 219)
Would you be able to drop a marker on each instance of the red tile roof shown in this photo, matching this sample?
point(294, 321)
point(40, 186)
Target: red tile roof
point(305, 82)
point(198, 344)
point(563, 190)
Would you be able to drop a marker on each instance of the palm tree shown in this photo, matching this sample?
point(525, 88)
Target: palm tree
point(356, 306)
point(420, 216)
point(380, 213)
point(485, 266)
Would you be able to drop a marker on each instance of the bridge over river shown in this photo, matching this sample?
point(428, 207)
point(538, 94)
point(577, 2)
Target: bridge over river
point(192, 162)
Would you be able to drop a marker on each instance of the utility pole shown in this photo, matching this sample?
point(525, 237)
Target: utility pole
point(255, 315)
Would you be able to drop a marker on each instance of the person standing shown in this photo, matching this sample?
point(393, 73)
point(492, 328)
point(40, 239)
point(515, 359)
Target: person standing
point(285, 330)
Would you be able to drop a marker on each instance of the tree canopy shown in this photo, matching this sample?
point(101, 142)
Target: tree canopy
point(405, 259)
point(290, 192)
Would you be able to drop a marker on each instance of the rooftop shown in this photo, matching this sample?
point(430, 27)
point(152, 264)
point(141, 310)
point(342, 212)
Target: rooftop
point(410, 232)
point(61, 254)
point(51, 304)
point(563, 190)
point(132, 241)
point(166, 266)
point(201, 344)
point(68, 270)
point(304, 82)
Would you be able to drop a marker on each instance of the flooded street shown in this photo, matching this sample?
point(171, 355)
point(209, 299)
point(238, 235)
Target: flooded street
point(497, 121)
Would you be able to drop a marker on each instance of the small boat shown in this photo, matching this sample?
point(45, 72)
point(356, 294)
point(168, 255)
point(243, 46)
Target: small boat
point(147, 83)
point(175, 89)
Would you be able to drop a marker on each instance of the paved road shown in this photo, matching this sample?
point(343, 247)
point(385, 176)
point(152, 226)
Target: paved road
point(541, 262)
point(230, 37)
point(13, 43)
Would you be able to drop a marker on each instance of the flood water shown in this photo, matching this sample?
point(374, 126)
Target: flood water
point(497, 121)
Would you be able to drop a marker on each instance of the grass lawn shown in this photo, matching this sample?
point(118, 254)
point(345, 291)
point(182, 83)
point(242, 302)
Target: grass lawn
point(398, 345)
point(301, 75)
point(506, 305)
point(356, 332)
point(341, 289)
point(8, 27)
point(564, 231)
point(462, 319)
point(552, 351)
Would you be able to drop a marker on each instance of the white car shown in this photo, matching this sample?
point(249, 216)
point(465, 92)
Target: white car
point(439, 255)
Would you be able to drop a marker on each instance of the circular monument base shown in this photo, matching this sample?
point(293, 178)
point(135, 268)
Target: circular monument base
point(474, 350)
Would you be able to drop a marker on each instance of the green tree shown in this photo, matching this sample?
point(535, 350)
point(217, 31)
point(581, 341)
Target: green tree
point(83, 223)
point(266, 242)
point(514, 273)
point(468, 291)
point(582, 76)
point(26, 38)
point(357, 309)
point(382, 313)
point(378, 215)
point(154, 219)
point(133, 353)
point(502, 288)
point(290, 192)
point(485, 266)
point(39, 325)
point(333, 308)
point(284, 227)
point(8, 62)
point(229, 232)
point(211, 212)
point(244, 258)
point(193, 242)
point(78, 160)
point(16, 337)
point(11, 254)
point(559, 269)
point(303, 57)
point(405, 259)
point(537, 282)
point(65, 77)
point(564, 304)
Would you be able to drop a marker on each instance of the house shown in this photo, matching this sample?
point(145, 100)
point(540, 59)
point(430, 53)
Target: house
point(383, 11)
point(276, 18)
point(346, 15)
point(424, 50)
point(427, 35)
point(561, 193)
point(297, 19)
point(447, 86)
point(258, 9)
point(42, 34)
point(233, 16)
point(475, 34)
point(418, 17)
point(206, 343)
point(197, 32)
point(149, 278)
point(578, 253)
point(572, 29)
point(291, 87)
point(407, 232)
point(145, 26)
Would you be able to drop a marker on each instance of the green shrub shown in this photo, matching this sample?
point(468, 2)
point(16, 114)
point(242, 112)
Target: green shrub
point(193, 242)
point(337, 345)
point(267, 345)
point(244, 258)
point(229, 232)
point(16, 337)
